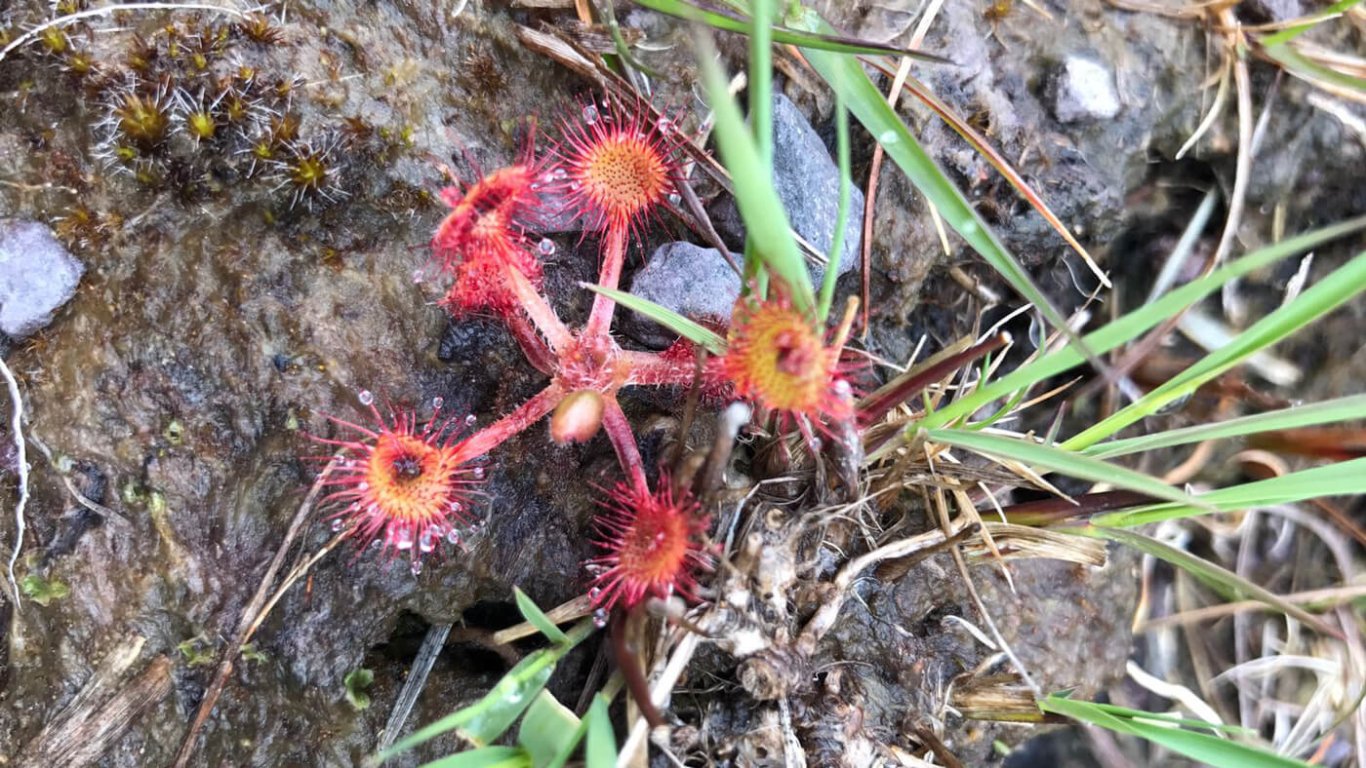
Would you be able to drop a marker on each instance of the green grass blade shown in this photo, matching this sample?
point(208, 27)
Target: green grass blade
point(1344, 478)
point(1130, 326)
point(1164, 718)
point(765, 220)
point(1301, 66)
point(836, 254)
point(1055, 459)
point(847, 78)
point(1226, 583)
point(1313, 303)
point(1203, 747)
point(836, 43)
point(697, 334)
point(487, 719)
point(1326, 412)
point(601, 749)
point(1289, 33)
point(488, 757)
point(761, 80)
point(548, 730)
point(537, 618)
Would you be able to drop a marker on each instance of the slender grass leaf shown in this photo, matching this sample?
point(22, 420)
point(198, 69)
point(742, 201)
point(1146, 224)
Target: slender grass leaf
point(1289, 33)
point(567, 750)
point(601, 750)
point(847, 78)
point(1344, 478)
point(1326, 412)
point(488, 757)
point(1055, 459)
point(1130, 326)
point(1320, 299)
point(1162, 718)
point(547, 730)
point(697, 334)
point(838, 43)
point(487, 719)
point(537, 618)
point(1203, 747)
point(761, 80)
point(1305, 68)
point(1226, 583)
point(765, 220)
point(836, 254)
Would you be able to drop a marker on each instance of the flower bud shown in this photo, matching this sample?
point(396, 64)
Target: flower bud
point(577, 418)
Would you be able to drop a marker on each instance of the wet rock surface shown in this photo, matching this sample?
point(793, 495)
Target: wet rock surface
point(219, 319)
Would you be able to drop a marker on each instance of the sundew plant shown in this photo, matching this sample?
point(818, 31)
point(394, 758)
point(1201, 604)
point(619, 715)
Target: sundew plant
point(668, 578)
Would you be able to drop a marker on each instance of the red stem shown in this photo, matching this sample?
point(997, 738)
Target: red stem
point(524, 416)
point(533, 346)
point(547, 322)
point(649, 369)
point(618, 430)
point(614, 253)
point(876, 405)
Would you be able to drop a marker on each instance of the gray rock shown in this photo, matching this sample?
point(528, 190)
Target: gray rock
point(37, 276)
point(807, 180)
point(691, 280)
point(1084, 90)
point(1276, 10)
point(808, 183)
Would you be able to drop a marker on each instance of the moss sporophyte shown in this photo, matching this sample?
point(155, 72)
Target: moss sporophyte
point(616, 165)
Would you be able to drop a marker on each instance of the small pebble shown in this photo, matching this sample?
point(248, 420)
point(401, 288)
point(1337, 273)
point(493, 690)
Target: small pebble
point(1084, 90)
point(37, 276)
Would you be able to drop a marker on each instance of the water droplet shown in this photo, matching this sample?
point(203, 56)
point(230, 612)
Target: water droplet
point(337, 525)
point(546, 247)
point(665, 125)
point(816, 444)
point(513, 696)
point(437, 402)
point(559, 174)
point(416, 567)
point(453, 537)
point(366, 397)
point(355, 507)
point(419, 275)
point(590, 114)
point(426, 543)
point(470, 419)
point(478, 473)
point(594, 593)
point(675, 199)
point(600, 618)
point(403, 539)
point(456, 507)
point(536, 186)
point(375, 543)
point(362, 486)
point(887, 137)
